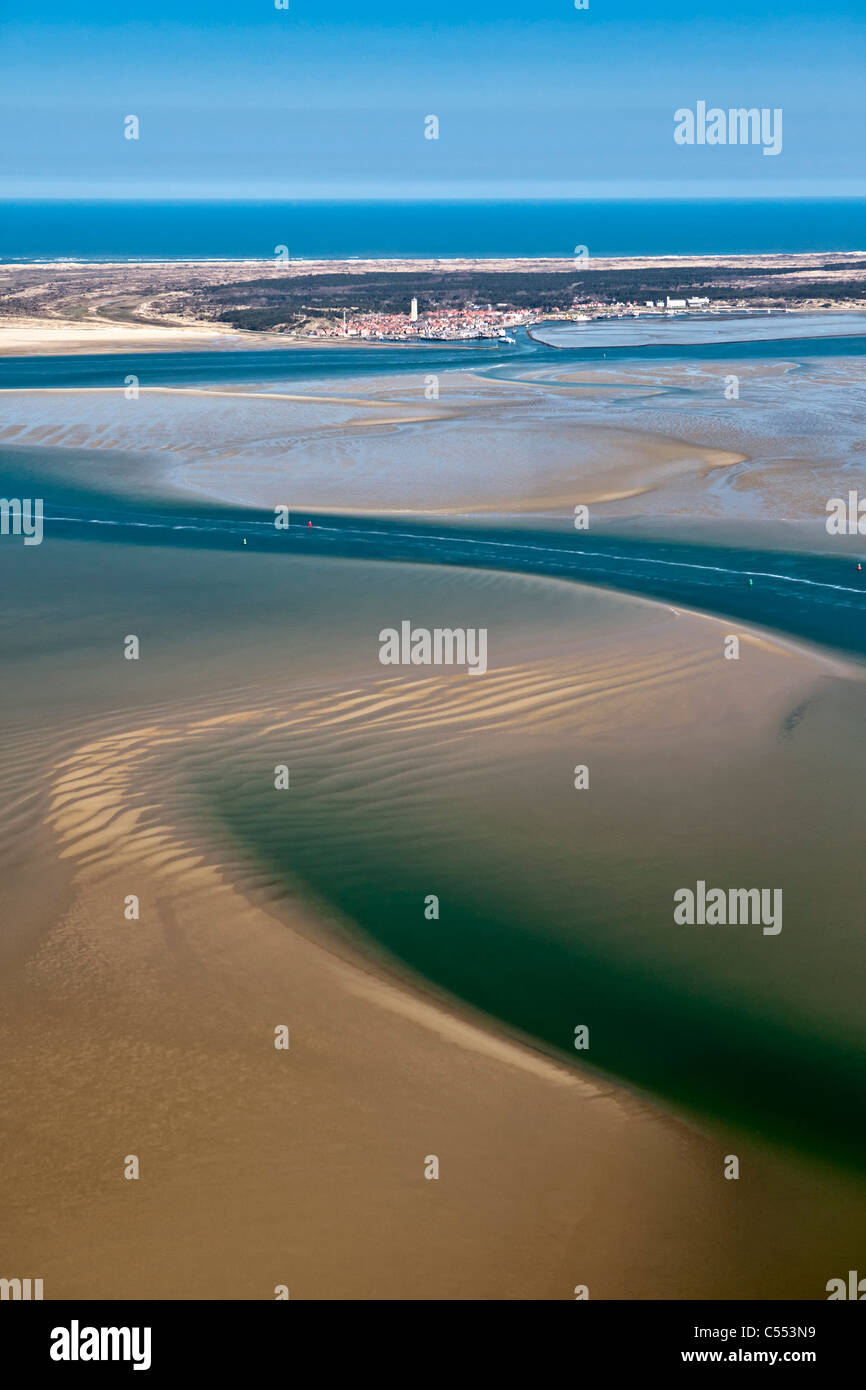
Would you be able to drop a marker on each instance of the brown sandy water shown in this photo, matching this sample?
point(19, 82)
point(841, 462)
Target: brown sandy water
point(306, 1167)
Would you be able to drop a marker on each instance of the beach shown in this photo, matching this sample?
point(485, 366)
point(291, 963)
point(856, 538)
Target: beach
point(433, 648)
point(528, 437)
point(155, 1037)
point(158, 303)
point(149, 1031)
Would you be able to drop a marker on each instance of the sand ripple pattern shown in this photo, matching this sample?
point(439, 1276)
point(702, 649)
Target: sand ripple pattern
point(127, 795)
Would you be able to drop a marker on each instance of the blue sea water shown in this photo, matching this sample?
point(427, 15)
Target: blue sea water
point(50, 230)
point(277, 367)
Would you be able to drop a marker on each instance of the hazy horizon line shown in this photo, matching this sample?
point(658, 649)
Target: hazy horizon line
point(438, 198)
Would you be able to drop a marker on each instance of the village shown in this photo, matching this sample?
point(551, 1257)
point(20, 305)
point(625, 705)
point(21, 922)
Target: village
point(477, 321)
point(473, 321)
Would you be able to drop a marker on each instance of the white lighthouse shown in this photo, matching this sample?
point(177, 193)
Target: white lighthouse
point(413, 310)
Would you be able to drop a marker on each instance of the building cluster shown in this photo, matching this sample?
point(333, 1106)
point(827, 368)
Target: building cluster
point(476, 321)
point(657, 308)
point(599, 309)
point(473, 321)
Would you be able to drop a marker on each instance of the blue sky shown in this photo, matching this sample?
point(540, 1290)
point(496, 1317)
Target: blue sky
point(241, 100)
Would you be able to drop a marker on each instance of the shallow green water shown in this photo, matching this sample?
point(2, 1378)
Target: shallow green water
point(550, 919)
